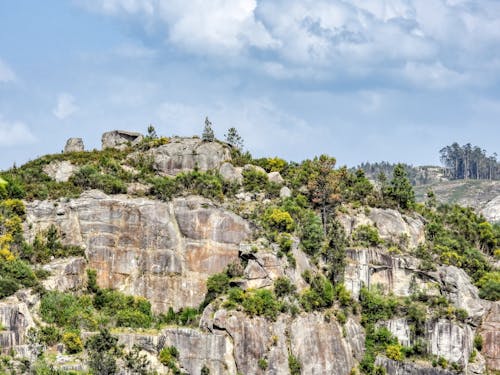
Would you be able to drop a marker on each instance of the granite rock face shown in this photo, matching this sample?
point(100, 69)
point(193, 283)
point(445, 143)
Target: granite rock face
point(60, 171)
point(396, 274)
point(450, 340)
point(408, 368)
point(74, 145)
point(319, 345)
point(15, 318)
point(490, 331)
point(492, 210)
point(391, 225)
point(120, 139)
point(161, 251)
point(186, 154)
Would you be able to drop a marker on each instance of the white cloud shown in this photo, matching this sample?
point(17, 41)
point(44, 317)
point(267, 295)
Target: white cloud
point(332, 38)
point(15, 133)
point(65, 106)
point(6, 73)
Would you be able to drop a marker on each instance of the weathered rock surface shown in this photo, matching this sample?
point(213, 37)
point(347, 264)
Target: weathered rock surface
point(60, 171)
point(66, 274)
point(230, 173)
point(490, 331)
point(161, 251)
point(186, 154)
point(450, 340)
point(409, 368)
point(492, 210)
point(285, 192)
point(319, 345)
point(458, 287)
point(400, 329)
point(15, 319)
point(396, 274)
point(275, 177)
point(391, 225)
point(74, 145)
point(120, 139)
point(196, 348)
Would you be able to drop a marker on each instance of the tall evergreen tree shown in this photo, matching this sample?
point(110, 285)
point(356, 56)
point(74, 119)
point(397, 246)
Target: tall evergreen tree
point(399, 189)
point(208, 133)
point(233, 138)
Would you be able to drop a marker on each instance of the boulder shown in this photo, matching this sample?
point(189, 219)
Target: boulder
point(60, 171)
point(187, 154)
point(65, 274)
point(120, 139)
point(275, 177)
point(74, 145)
point(251, 167)
point(492, 210)
point(459, 289)
point(230, 173)
point(285, 192)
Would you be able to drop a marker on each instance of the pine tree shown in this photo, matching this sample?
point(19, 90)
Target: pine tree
point(208, 133)
point(234, 139)
point(399, 189)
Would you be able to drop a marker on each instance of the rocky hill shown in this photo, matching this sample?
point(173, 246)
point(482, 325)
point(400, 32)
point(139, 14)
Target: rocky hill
point(482, 195)
point(177, 255)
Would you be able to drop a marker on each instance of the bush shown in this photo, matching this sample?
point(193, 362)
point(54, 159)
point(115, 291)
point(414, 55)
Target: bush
point(283, 286)
point(49, 335)
point(217, 284)
point(478, 342)
point(278, 220)
point(294, 365)
point(311, 233)
point(376, 306)
point(254, 180)
point(168, 356)
point(366, 235)
point(320, 295)
point(261, 302)
point(489, 286)
point(262, 364)
point(72, 342)
point(394, 352)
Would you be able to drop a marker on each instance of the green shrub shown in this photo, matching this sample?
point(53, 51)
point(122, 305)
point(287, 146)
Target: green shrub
point(49, 335)
point(489, 286)
point(261, 302)
point(375, 306)
point(254, 180)
point(283, 286)
point(366, 235)
point(478, 342)
point(279, 220)
point(294, 365)
point(262, 363)
point(67, 310)
point(72, 342)
point(168, 356)
point(321, 293)
point(311, 233)
point(394, 352)
point(217, 284)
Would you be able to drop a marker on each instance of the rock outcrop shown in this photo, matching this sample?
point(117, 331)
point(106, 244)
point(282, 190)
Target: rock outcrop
point(162, 251)
point(74, 145)
point(319, 345)
point(490, 331)
point(409, 368)
point(231, 173)
point(492, 210)
point(60, 171)
point(16, 320)
point(391, 225)
point(120, 139)
point(186, 154)
point(450, 340)
point(397, 274)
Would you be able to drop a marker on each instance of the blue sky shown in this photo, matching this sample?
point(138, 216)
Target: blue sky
point(361, 80)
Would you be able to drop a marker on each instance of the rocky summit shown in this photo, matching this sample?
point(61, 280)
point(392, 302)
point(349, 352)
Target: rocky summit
point(160, 255)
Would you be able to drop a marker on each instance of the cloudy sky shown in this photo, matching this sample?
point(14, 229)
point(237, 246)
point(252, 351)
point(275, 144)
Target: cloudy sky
point(360, 80)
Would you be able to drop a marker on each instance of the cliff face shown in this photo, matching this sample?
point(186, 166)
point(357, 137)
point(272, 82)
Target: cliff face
point(161, 251)
point(166, 252)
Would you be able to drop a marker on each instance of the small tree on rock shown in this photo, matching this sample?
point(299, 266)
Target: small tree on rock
point(233, 138)
point(208, 133)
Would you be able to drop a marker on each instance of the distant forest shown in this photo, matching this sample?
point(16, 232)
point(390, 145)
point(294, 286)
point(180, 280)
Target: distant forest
point(469, 162)
point(465, 162)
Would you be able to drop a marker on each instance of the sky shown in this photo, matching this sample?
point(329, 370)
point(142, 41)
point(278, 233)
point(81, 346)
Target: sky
point(360, 80)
